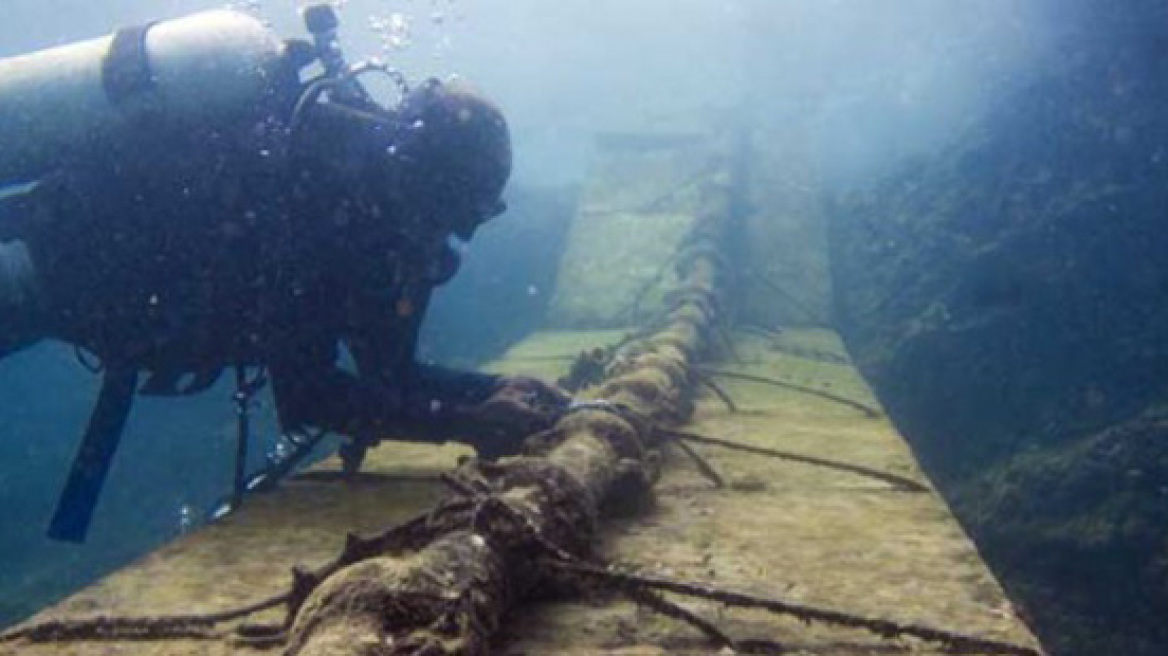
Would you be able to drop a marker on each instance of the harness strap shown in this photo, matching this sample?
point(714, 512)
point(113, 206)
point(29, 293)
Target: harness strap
point(125, 70)
point(245, 390)
point(91, 464)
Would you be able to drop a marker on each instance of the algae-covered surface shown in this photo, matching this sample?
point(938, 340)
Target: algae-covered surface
point(783, 264)
point(780, 529)
point(639, 204)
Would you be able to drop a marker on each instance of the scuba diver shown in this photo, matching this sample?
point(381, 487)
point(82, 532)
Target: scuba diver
point(219, 212)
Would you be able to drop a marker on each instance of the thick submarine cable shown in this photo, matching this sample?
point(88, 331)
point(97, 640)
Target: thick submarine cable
point(448, 597)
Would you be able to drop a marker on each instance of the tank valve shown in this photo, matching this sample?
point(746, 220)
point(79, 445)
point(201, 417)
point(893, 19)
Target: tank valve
point(322, 22)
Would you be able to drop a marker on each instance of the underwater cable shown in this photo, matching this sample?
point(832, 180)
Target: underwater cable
point(867, 410)
point(899, 482)
point(620, 579)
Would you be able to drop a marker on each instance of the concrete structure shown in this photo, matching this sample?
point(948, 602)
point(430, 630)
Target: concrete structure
point(780, 529)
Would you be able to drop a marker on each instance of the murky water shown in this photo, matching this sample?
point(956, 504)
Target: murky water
point(970, 193)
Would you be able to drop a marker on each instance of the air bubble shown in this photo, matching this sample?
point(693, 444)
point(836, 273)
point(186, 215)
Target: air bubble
point(186, 518)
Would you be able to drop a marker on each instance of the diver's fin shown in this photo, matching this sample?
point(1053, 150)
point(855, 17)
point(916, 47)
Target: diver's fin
point(79, 497)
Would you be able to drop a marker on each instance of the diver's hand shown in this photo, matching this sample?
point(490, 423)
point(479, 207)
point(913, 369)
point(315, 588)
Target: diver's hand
point(518, 407)
point(523, 404)
point(538, 394)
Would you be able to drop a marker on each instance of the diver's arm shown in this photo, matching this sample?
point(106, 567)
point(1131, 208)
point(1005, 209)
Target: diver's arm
point(435, 409)
point(436, 403)
point(392, 396)
point(492, 413)
point(312, 390)
point(389, 396)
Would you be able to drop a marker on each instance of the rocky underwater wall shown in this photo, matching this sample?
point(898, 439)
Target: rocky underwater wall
point(1008, 300)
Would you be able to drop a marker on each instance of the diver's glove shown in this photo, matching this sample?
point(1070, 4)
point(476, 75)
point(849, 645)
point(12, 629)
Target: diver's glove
point(518, 407)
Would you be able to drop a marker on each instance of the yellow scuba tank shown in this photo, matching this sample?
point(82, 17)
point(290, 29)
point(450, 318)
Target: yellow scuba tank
point(196, 70)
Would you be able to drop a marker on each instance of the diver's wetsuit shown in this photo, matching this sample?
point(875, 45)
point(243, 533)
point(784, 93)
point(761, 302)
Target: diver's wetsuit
point(247, 249)
point(268, 237)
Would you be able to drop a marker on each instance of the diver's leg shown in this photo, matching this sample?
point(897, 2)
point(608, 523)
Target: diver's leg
point(20, 310)
point(353, 456)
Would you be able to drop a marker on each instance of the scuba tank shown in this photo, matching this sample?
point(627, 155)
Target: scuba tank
point(199, 70)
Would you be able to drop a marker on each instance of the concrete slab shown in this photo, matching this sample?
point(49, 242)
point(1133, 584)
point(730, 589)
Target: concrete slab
point(638, 205)
point(781, 529)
